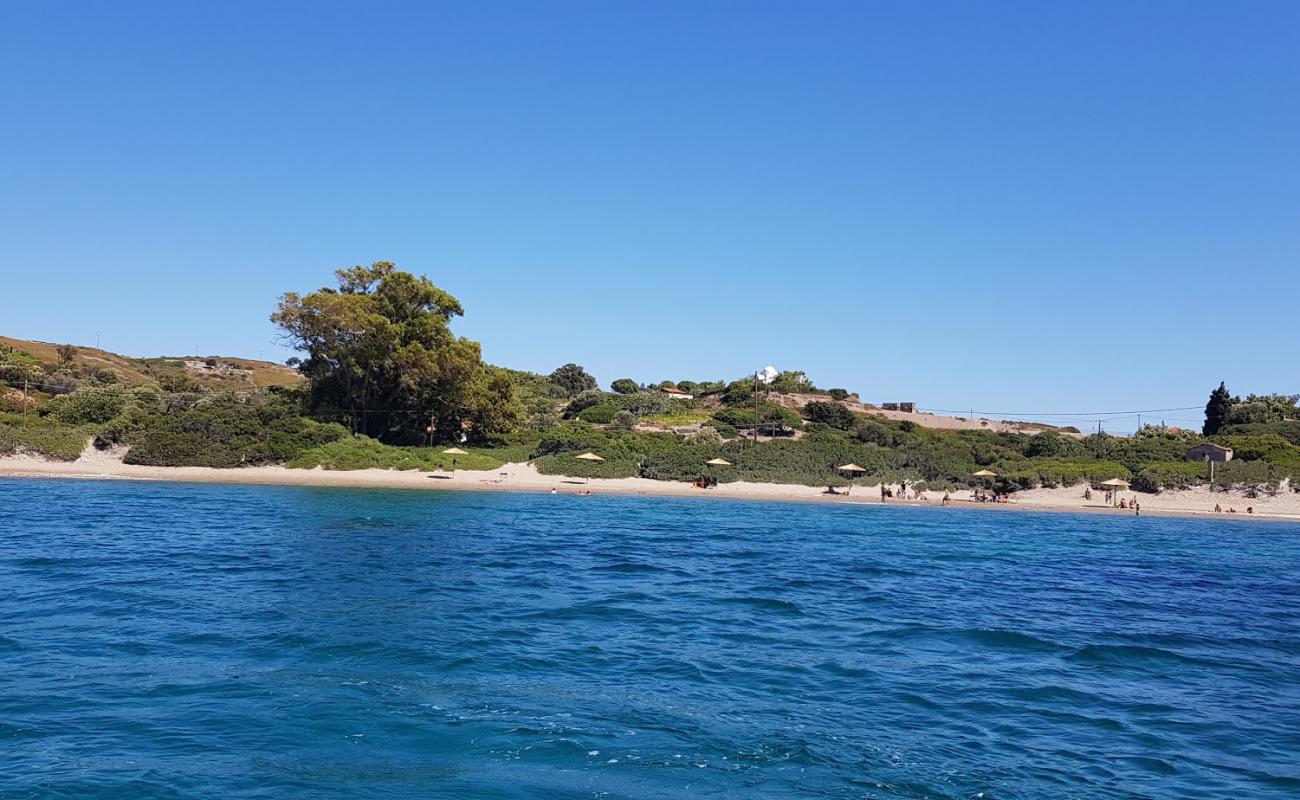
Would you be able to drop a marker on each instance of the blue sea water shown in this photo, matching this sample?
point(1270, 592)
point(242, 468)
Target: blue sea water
point(199, 641)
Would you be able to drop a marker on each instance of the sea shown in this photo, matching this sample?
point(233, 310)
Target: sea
point(171, 640)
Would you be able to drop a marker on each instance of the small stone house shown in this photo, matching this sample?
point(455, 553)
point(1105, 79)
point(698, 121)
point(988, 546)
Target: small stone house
point(1208, 451)
point(676, 394)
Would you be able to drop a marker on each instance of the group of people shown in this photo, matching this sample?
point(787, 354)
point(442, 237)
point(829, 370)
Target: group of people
point(901, 493)
point(1218, 509)
point(981, 496)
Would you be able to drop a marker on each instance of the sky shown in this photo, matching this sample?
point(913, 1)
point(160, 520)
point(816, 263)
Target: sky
point(1030, 208)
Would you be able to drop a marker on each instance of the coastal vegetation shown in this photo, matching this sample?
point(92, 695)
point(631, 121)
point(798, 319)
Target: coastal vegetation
point(385, 383)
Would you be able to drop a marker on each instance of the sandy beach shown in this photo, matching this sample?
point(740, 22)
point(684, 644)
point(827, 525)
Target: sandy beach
point(524, 478)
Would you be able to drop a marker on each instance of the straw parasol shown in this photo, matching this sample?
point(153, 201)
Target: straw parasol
point(1116, 484)
point(454, 452)
point(853, 470)
point(589, 457)
point(718, 462)
point(984, 473)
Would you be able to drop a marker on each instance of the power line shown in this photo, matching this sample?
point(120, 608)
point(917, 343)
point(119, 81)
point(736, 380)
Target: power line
point(1062, 414)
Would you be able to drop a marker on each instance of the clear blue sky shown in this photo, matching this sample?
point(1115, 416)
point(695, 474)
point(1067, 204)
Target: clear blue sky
point(1040, 207)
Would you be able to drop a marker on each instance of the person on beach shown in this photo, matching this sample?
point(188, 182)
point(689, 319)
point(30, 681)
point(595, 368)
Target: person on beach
point(1087, 493)
point(1218, 509)
point(883, 491)
point(1137, 508)
point(947, 497)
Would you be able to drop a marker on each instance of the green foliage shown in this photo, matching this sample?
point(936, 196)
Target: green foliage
point(838, 394)
point(1168, 475)
point(1045, 445)
point(67, 353)
point(768, 416)
point(86, 407)
point(1263, 409)
point(1053, 473)
point(624, 419)
point(681, 413)
point(574, 379)
point(601, 414)
point(228, 431)
point(1216, 410)
point(639, 404)
point(1289, 430)
point(381, 344)
point(362, 452)
point(1261, 447)
point(625, 386)
point(832, 414)
point(63, 442)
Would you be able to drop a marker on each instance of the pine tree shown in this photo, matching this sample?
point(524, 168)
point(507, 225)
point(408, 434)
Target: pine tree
point(1216, 411)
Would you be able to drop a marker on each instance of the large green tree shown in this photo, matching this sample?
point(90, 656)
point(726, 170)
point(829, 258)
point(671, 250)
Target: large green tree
point(381, 353)
point(1217, 409)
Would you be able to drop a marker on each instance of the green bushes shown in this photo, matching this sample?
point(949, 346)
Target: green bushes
point(769, 415)
point(362, 452)
point(62, 442)
point(1261, 447)
point(625, 386)
point(832, 414)
point(1168, 475)
point(617, 465)
point(602, 414)
point(86, 407)
point(225, 431)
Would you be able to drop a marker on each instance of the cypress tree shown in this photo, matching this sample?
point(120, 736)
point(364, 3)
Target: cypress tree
point(1216, 411)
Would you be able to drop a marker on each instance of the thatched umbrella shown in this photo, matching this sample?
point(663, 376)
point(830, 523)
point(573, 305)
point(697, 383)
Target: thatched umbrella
point(853, 469)
point(589, 457)
point(984, 473)
point(718, 462)
point(1116, 484)
point(454, 452)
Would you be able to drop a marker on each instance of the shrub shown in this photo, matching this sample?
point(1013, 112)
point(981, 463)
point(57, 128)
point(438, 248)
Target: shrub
point(625, 386)
point(832, 414)
point(1168, 475)
point(56, 441)
point(573, 378)
point(86, 407)
point(362, 452)
point(838, 394)
point(601, 414)
point(225, 431)
point(623, 419)
point(769, 415)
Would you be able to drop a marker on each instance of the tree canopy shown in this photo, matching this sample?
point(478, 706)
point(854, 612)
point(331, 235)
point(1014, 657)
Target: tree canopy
point(574, 379)
point(381, 353)
point(1216, 410)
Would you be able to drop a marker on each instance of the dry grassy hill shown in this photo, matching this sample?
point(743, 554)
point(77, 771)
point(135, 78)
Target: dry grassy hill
point(215, 372)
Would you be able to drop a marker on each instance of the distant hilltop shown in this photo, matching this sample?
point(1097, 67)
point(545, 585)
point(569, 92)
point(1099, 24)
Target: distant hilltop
point(217, 373)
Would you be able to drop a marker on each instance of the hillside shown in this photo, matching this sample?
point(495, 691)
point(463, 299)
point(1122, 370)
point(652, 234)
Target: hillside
point(220, 373)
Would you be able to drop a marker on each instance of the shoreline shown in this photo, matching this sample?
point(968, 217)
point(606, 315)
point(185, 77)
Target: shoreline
point(524, 478)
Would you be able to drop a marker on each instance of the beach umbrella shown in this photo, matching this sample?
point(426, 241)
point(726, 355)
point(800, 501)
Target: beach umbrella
point(1116, 484)
point(589, 457)
point(853, 469)
point(984, 473)
point(454, 452)
point(718, 462)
